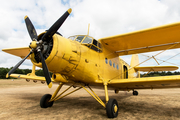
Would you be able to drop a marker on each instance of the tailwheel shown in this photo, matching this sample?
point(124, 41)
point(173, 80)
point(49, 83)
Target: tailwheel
point(135, 93)
point(112, 108)
point(44, 102)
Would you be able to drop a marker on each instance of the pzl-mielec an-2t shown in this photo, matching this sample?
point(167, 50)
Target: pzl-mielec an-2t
point(83, 62)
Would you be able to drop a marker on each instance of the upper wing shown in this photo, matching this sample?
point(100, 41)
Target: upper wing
point(154, 39)
point(21, 52)
point(146, 83)
point(155, 68)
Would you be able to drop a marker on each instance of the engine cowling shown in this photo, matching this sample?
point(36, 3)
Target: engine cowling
point(61, 55)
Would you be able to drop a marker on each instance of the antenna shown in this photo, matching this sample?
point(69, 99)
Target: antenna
point(88, 28)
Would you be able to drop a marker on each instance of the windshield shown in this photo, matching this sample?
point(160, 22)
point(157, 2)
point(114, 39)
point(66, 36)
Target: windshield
point(72, 37)
point(79, 38)
point(87, 40)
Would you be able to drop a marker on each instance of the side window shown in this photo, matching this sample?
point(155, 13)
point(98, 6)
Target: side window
point(110, 63)
point(99, 45)
point(79, 38)
point(95, 42)
point(114, 65)
point(117, 66)
point(106, 60)
point(96, 45)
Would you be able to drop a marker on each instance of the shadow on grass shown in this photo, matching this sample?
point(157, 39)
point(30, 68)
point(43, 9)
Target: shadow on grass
point(83, 105)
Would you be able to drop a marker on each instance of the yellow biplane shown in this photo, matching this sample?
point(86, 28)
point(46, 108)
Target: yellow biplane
point(81, 61)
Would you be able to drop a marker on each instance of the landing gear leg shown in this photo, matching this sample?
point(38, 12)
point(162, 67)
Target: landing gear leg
point(111, 104)
point(135, 93)
point(47, 100)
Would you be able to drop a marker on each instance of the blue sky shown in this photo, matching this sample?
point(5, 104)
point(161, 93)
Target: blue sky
point(106, 18)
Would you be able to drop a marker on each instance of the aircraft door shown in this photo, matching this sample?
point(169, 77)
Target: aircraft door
point(125, 70)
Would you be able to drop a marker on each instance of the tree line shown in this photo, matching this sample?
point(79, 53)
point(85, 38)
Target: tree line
point(4, 71)
point(163, 73)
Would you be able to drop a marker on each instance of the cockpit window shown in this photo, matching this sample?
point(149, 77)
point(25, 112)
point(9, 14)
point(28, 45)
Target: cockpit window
point(72, 37)
point(87, 40)
point(79, 38)
point(96, 46)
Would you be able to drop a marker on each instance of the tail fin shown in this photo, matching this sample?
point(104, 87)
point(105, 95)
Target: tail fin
point(134, 60)
point(134, 63)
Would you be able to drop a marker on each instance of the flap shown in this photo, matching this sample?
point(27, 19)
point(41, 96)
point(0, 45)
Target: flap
point(20, 52)
point(156, 68)
point(148, 40)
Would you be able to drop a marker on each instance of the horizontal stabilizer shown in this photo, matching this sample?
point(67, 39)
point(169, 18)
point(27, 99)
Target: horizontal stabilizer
point(20, 52)
point(155, 68)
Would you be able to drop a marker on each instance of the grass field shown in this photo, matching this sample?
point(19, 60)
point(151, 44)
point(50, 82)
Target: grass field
point(20, 100)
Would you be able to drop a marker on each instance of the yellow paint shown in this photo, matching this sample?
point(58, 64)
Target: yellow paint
point(148, 40)
point(25, 17)
point(50, 85)
point(98, 63)
point(115, 108)
point(106, 92)
point(155, 68)
point(94, 96)
point(20, 52)
point(59, 77)
point(88, 29)
point(69, 10)
point(33, 44)
point(7, 75)
point(57, 90)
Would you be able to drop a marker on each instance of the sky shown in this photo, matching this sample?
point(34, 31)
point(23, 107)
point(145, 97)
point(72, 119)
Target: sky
point(106, 18)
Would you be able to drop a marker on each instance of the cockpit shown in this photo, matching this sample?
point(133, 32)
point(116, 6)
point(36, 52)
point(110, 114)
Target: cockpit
point(88, 41)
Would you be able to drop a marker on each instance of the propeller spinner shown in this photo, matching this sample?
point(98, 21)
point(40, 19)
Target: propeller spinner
point(36, 46)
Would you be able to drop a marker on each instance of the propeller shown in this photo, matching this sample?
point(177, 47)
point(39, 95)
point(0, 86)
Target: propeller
point(17, 65)
point(31, 30)
point(53, 29)
point(36, 46)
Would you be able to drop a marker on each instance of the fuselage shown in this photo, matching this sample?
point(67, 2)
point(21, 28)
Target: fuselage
point(81, 58)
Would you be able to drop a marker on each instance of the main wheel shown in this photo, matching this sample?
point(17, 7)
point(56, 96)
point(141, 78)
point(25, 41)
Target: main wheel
point(44, 102)
point(135, 93)
point(112, 108)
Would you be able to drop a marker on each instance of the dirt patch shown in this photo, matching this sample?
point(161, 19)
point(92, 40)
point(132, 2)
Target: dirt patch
point(20, 100)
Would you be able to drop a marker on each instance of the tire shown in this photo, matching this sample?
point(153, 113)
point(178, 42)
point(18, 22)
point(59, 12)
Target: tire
point(44, 102)
point(135, 93)
point(112, 108)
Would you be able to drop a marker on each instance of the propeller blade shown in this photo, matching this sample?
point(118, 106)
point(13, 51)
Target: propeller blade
point(17, 65)
point(30, 28)
point(53, 29)
point(45, 70)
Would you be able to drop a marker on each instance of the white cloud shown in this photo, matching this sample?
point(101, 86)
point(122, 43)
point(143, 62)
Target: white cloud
point(106, 17)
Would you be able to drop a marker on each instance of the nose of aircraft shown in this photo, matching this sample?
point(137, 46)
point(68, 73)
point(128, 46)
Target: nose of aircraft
point(40, 46)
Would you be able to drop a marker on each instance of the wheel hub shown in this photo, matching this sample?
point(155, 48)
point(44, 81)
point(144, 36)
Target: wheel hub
point(115, 108)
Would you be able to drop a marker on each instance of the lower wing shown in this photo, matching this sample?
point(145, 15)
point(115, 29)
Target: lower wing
point(146, 83)
point(30, 77)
